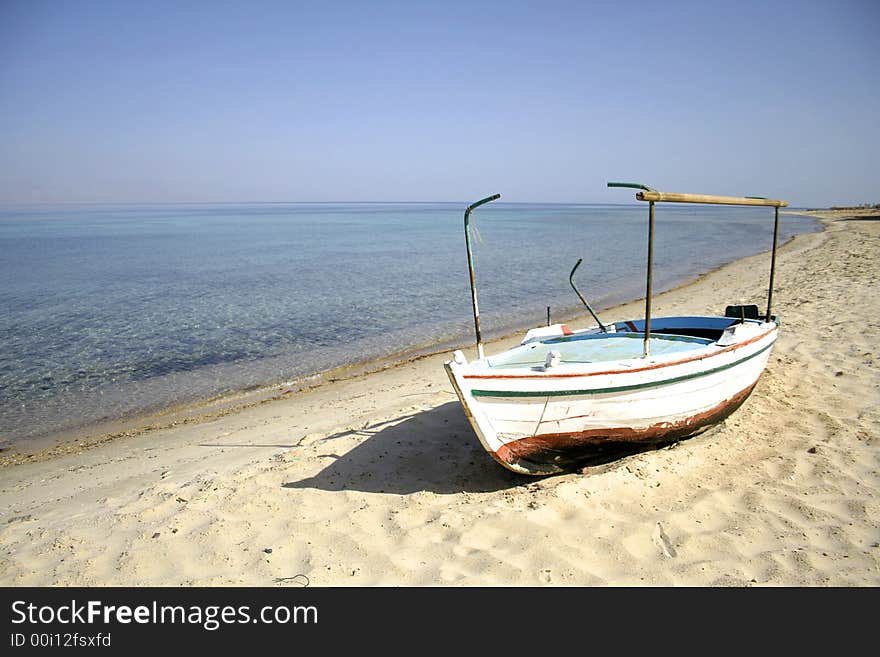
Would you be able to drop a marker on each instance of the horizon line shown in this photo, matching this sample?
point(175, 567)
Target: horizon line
point(2, 202)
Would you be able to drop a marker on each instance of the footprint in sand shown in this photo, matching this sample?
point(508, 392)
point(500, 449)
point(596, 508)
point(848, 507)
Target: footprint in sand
point(662, 541)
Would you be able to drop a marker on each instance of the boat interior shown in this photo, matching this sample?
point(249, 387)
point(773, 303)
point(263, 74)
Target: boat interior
point(622, 341)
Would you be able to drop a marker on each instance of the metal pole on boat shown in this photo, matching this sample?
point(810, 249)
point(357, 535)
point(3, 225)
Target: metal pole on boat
point(639, 196)
point(467, 241)
point(773, 259)
point(581, 296)
point(649, 279)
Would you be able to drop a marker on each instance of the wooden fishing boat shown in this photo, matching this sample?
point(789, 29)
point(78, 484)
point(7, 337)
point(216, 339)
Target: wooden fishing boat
point(562, 395)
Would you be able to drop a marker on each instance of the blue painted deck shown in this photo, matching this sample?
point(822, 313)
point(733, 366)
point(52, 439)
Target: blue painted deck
point(594, 348)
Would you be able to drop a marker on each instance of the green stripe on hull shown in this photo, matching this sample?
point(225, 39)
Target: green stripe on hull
point(599, 391)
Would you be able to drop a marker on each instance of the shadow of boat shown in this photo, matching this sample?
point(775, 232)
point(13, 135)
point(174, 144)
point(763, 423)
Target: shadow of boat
point(434, 451)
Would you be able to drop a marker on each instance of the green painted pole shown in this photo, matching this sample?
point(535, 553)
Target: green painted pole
point(581, 296)
point(470, 256)
point(630, 186)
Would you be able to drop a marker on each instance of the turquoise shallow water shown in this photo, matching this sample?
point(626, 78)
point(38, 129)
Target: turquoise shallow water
point(108, 311)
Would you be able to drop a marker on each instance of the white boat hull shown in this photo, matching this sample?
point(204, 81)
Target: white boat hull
point(542, 422)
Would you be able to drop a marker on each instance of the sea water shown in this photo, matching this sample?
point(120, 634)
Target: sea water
point(108, 311)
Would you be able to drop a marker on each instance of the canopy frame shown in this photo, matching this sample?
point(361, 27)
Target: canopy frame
point(652, 196)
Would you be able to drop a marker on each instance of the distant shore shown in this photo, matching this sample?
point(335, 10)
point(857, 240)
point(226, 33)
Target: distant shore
point(377, 479)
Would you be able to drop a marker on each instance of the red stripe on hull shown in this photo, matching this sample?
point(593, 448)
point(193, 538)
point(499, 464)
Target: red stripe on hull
point(560, 452)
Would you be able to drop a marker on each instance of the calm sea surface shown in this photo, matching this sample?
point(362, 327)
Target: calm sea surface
point(108, 311)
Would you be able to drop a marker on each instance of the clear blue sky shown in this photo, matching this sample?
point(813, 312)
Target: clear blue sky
point(406, 101)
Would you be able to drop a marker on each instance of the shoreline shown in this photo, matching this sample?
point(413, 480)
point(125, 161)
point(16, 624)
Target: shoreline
point(378, 480)
point(91, 434)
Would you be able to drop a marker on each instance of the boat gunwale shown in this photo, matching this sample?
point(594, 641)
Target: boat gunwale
point(682, 361)
point(694, 343)
point(614, 389)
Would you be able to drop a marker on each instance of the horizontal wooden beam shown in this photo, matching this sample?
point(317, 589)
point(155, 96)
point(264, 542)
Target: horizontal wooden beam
point(675, 197)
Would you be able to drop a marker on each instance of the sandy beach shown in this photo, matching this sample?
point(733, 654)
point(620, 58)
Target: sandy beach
point(377, 479)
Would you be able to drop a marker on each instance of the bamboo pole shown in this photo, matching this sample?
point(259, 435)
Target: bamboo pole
point(676, 197)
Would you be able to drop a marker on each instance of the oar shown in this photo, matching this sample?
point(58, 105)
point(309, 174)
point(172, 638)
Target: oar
point(581, 296)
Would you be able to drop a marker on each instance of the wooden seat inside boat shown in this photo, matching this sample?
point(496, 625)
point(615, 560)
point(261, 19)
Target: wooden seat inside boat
point(595, 348)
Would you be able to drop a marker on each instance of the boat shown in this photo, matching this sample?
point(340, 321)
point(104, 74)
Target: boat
point(564, 396)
